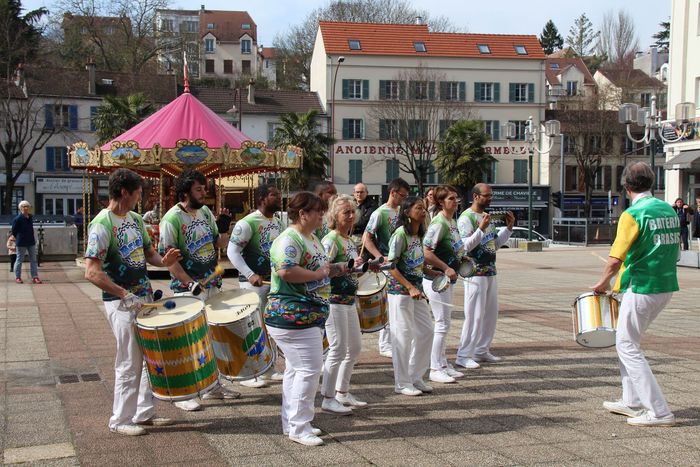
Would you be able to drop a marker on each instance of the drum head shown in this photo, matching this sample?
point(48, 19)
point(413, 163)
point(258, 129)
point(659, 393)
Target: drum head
point(370, 283)
point(185, 309)
point(230, 306)
point(440, 283)
point(466, 268)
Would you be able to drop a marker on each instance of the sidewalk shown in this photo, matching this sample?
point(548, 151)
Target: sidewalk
point(542, 405)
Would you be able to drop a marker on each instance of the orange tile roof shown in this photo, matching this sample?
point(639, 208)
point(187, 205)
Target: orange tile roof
point(553, 74)
point(399, 39)
point(228, 25)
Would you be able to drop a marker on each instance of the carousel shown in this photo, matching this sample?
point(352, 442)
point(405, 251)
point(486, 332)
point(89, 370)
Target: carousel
point(182, 135)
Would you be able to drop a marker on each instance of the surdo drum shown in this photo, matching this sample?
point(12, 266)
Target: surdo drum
point(595, 320)
point(372, 307)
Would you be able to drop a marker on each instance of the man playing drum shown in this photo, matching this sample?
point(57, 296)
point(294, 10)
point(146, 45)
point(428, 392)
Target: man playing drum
point(380, 227)
point(190, 227)
point(481, 241)
point(249, 249)
point(646, 249)
point(117, 251)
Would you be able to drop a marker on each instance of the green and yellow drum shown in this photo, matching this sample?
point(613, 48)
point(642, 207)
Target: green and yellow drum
point(177, 349)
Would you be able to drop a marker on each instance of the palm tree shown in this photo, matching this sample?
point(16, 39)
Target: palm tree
point(303, 130)
point(118, 114)
point(461, 158)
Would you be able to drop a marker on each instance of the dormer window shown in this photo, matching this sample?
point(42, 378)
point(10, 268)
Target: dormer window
point(484, 49)
point(419, 46)
point(245, 26)
point(520, 49)
point(554, 66)
point(354, 44)
point(210, 26)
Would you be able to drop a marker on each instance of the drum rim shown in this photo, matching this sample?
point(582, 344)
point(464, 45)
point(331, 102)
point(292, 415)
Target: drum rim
point(471, 262)
point(255, 306)
point(185, 397)
point(375, 291)
point(168, 326)
point(440, 278)
point(593, 294)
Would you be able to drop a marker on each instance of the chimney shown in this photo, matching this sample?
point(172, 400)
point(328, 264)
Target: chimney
point(419, 20)
point(251, 92)
point(92, 85)
point(201, 8)
point(654, 60)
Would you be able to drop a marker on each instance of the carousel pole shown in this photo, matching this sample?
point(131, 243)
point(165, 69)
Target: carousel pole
point(160, 195)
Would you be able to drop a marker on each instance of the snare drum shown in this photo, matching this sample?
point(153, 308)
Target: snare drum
point(440, 283)
point(466, 268)
point(595, 320)
point(177, 350)
point(372, 307)
point(239, 338)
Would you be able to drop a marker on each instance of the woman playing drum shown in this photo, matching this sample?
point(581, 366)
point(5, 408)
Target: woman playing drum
point(443, 249)
point(343, 325)
point(296, 311)
point(411, 324)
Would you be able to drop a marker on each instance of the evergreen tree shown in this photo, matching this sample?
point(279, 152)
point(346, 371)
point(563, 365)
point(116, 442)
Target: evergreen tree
point(461, 158)
point(118, 114)
point(582, 38)
point(550, 38)
point(664, 36)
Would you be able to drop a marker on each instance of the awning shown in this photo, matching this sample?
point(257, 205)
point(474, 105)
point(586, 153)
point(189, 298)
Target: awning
point(684, 160)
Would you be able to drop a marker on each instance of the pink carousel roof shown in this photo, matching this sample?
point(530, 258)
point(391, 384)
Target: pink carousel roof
point(184, 118)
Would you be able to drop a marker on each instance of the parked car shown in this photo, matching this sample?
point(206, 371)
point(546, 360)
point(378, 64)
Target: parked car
point(520, 234)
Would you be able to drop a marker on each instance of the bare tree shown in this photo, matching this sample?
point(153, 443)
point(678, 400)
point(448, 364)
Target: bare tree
point(582, 38)
point(618, 40)
point(294, 48)
point(411, 114)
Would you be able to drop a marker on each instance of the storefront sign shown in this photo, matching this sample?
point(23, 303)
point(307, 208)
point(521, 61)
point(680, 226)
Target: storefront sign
point(61, 185)
point(350, 148)
point(519, 194)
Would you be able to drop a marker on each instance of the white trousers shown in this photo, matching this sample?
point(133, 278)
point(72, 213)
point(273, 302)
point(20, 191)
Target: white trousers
point(480, 316)
point(133, 399)
point(412, 338)
point(639, 386)
point(443, 317)
point(303, 354)
point(344, 347)
point(385, 334)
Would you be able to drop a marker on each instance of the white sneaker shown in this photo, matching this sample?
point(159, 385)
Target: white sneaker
point(221, 393)
point(421, 386)
point(441, 376)
point(619, 407)
point(452, 372)
point(331, 405)
point(190, 405)
point(315, 431)
point(277, 376)
point(349, 399)
point(307, 440)
point(156, 421)
point(409, 391)
point(467, 363)
point(128, 430)
point(488, 357)
point(253, 383)
point(646, 419)
point(386, 353)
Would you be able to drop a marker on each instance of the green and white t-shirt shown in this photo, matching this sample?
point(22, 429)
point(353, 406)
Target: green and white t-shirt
point(297, 306)
point(120, 244)
point(195, 237)
point(255, 234)
point(341, 249)
point(381, 225)
point(484, 254)
point(407, 251)
point(442, 237)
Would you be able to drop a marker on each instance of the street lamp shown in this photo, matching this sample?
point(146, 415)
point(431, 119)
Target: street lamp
point(331, 131)
point(650, 119)
point(551, 129)
point(239, 110)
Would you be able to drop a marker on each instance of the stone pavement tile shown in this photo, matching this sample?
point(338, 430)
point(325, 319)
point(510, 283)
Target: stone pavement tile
point(132, 457)
point(596, 450)
point(37, 453)
point(393, 453)
point(332, 452)
point(237, 445)
point(481, 458)
point(66, 462)
point(637, 460)
point(652, 445)
point(531, 453)
point(24, 435)
point(280, 459)
point(201, 462)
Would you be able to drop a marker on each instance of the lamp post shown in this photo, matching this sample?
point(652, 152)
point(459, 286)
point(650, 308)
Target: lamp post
point(650, 120)
point(551, 129)
point(331, 131)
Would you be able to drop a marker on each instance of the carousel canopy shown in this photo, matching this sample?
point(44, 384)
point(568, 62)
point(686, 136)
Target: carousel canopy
point(185, 134)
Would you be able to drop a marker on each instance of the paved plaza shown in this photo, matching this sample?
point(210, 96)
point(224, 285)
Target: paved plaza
point(542, 405)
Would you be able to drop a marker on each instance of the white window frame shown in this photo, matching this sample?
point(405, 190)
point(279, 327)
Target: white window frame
point(246, 46)
point(489, 126)
point(571, 88)
point(520, 92)
point(355, 128)
point(452, 91)
point(392, 90)
point(355, 89)
point(209, 45)
point(486, 92)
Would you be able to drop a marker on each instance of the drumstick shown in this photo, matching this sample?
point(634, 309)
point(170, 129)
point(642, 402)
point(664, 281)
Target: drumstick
point(218, 270)
point(266, 283)
point(168, 304)
point(440, 302)
point(362, 247)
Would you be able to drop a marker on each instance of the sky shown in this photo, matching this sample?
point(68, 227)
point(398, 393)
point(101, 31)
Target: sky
point(494, 17)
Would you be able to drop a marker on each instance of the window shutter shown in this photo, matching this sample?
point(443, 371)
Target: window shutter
point(365, 89)
point(607, 177)
point(48, 116)
point(346, 88)
point(511, 92)
point(431, 90)
point(496, 130)
point(531, 92)
point(66, 165)
point(73, 117)
point(462, 91)
point(382, 129)
point(497, 92)
point(443, 90)
point(93, 114)
point(50, 155)
point(443, 128)
point(477, 92)
point(346, 128)
point(402, 90)
point(389, 171)
point(362, 129)
point(382, 89)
